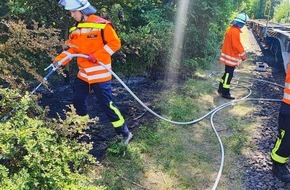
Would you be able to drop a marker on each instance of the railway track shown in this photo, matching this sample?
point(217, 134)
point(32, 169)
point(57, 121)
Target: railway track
point(275, 37)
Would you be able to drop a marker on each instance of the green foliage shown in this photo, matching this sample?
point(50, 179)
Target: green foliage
point(124, 169)
point(282, 12)
point(4, 9)
point(148, 43)
point(34, 156)
point(37, 153)
point(122, 150)
point(259, 9)
point(180, 108)
point(16, 8)
point(147, 31)
point(206, 23)
point(43, 11)
point(27, 50)
point(117, 149)
point(182, 103)
point(144, 47)
point(190, 87)
point(149, 136)
point(197, 63)
point(237, 139)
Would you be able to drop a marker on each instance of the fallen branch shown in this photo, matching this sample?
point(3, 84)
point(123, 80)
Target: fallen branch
point(140, 116)
point(134, 183)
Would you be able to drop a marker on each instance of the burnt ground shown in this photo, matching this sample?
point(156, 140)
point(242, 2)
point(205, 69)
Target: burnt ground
point(102, 132)
point(257, 167)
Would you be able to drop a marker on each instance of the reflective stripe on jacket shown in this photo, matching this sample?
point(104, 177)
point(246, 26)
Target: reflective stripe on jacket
point(286, 97)
point(232, 49)
point(87, 38)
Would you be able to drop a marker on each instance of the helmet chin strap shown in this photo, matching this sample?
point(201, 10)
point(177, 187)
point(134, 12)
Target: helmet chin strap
point(83, 17)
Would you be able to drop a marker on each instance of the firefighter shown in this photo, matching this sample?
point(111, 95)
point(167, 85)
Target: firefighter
point(95, 37)
point(232, 52)
point(281, 151)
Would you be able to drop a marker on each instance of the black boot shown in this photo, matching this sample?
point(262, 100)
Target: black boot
point(226, 94)
point(124, 131)
point(220, 89)
point(281, 172)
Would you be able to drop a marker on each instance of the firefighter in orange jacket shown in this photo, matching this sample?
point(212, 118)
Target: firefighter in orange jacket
point(281, 151)
point(231, 53)
point(95, 37)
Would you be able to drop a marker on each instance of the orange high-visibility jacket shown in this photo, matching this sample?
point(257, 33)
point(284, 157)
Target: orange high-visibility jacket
point(286, 97)
point(88, 38)
point(232, 49)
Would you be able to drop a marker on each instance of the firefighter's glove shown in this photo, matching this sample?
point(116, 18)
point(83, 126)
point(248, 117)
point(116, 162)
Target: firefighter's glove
point(92, 58)
point(55, 62)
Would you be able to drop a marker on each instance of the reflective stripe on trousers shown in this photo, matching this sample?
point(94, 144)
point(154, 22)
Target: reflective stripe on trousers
point(227, 77)
point(121, 120)
point(281, 152)
point(276, 157)
point(103, 92)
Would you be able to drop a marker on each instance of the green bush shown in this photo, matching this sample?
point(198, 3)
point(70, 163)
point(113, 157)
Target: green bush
point(147, 47)
point(35, 156)
point(27, 50)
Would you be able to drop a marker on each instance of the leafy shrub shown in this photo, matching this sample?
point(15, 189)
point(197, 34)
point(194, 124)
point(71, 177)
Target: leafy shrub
point(34, 156)
point(26, 51)
point(147, 46)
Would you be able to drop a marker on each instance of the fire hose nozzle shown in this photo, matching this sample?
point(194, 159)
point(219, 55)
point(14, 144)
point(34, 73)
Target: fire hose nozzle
point(52, 66)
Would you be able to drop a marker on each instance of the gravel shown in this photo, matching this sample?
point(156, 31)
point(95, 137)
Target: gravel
point(258, 174)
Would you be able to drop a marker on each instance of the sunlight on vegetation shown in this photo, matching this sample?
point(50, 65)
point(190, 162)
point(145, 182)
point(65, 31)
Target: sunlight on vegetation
point(184, 156)
point(177, 158)
point(179, 32)
point(236, 135)
point(242, 111)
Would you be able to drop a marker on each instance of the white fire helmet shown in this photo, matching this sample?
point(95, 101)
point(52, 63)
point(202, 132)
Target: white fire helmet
point(80, 5)
point(242, 18)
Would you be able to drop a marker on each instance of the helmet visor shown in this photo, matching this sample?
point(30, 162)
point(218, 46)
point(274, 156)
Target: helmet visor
point(62, 3)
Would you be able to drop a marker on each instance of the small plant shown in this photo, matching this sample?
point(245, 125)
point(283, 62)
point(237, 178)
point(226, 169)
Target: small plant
point(118, 149)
